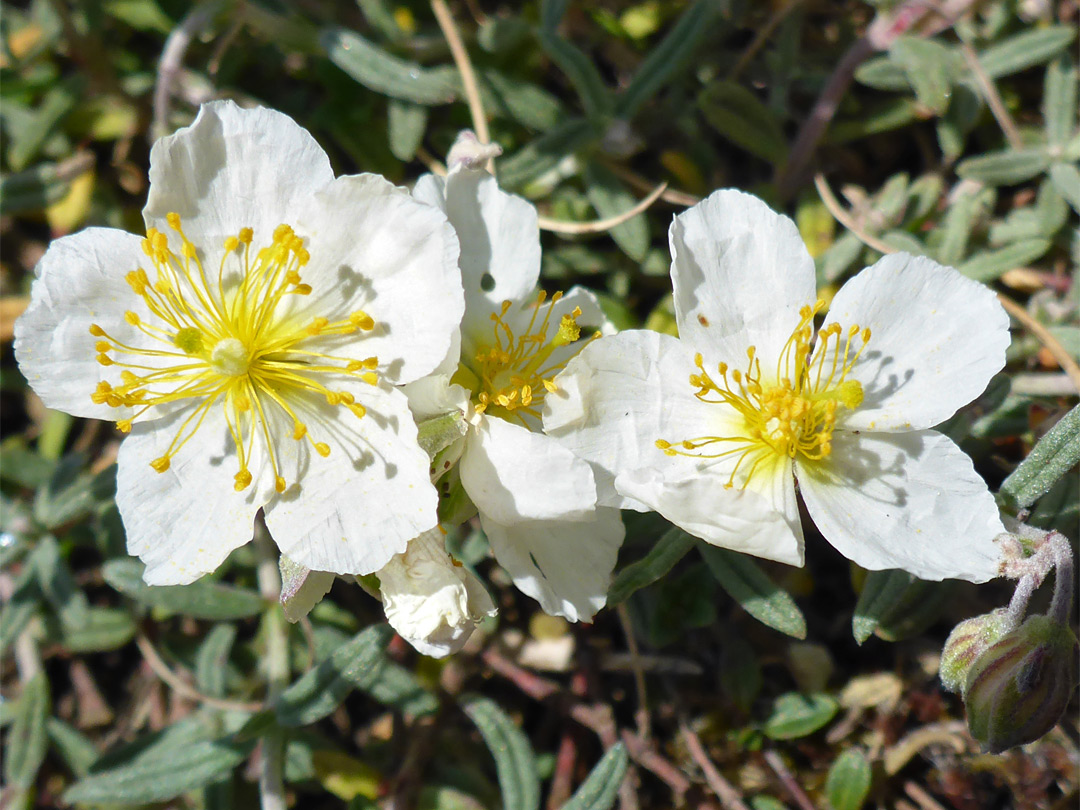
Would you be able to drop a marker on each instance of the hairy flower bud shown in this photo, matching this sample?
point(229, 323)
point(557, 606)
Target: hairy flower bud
point(1018, 688)
point(967, 642)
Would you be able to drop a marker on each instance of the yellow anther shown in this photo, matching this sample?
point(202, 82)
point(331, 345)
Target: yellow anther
point(242, 479)
point(124, 426)
point(317, 325)
point(362, 320)
point(282, 232)
point(104, 359)
point(103, 346)
point(299, 431)
point(96, 330)
point(231, 244)
point(333, 398)
point(370, 377)
point(302, 289)
point(322, 448)
point(160, 464)
point(246, 235)
point(279, 484)
point(358, 410)
point(173, 219)
point(132, 318)
point(189, 250)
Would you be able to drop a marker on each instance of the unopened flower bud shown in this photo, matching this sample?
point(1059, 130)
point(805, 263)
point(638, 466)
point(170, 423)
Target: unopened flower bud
point(967, 642)
point(1019, 687)
point(432, 602)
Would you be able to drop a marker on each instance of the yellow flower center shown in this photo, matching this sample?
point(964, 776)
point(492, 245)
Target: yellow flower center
point(510, 375)
point(226, 342)
point(791, 416)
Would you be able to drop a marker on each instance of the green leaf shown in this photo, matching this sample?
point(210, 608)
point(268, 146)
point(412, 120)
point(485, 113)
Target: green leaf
point(881, 592)
point(57, 586)
point(1054, 455)
point(878, 118)
point(542, 154)
point(551, 13)
point(579, 69)
point(514, 759)
point(37, 188)
point(28, 138)
point(405, 123)
point(674, 53)
point(398, 688)
point(1031, 47)
point(610, 198)
point(384, 73)
point(321, 690)
point(17, 615)
point(76, 749)
point(601, 787)
point(672, 546)
point(1059, 101)
point(183, 767)
point(105, 629)
point(530, 105)
point(212, 660)
point(1005, 168)
point(1066, 179)
point(202, 599)
point(930, 67)
point(795, 715)
point(758, 595)
point(848, 782)
point(988, 265)
point(737, 114)
point(27, 738)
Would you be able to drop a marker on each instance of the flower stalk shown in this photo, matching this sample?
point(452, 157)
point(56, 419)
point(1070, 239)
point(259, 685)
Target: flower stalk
point(275, 632)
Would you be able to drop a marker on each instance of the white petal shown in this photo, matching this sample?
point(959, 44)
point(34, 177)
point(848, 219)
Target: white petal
point(234, 168)
point(185, 521)
point(905, 500)
point(620, 395)
point(500, 239)
point(374, 248)
point(565, 566)
point(302, 588)
point(80, 281)
point(352, 511)
point(513, 474)
point(762, 523)
point(936, 340)
point(433, 396)
point(740, 273)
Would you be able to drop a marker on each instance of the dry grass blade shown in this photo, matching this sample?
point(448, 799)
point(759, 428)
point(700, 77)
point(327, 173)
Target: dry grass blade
point(601, 225)
point(468, 75)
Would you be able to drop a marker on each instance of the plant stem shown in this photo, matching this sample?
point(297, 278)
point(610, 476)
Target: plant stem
point(271, 764)
point(1061, 604)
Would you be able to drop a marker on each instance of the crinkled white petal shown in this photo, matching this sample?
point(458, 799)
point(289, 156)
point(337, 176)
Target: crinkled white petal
point(434, 395)
point(500, 239)
point(565, 566)
point(905, 500)
point(374, 248)
point(302, 588)
point(740, 273)
point(620, 395)
point(234, 168)
point(80, 281)
point(430, 601)
point(183, 522)
point(513, 474)
point(352, 511)
point(936, 340)
point(763, 522)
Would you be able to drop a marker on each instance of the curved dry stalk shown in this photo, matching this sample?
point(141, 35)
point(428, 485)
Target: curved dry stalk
point(179, 685)
point(601, 225)
point(468, 75)
point(172, 58)
point(992, 97)
point(841, 215)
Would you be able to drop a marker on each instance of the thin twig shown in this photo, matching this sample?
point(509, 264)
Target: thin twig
point(992, 97)
point(172, 58)
point(600, 225)
point(762, 36)
point(670, 195)
point(641, 716)
point(921, 797)
point(468, 76)
point(729, 797)
point(844, 218)
point(1045, 337)
point(781, 770)
point(181, 687)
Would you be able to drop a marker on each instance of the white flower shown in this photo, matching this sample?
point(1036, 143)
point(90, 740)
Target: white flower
point(250, 345)
point(430, 599)
point(537, 501)
point(712, 430)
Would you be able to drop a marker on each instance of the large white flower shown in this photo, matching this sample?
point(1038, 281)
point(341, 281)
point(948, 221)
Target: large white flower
point(712, 429)
point(250, 345)
point(537, 501)
point(432, 601)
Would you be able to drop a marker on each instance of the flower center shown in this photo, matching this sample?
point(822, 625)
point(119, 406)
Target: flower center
point(229, 341)
point(794, 414)
point(510, 375)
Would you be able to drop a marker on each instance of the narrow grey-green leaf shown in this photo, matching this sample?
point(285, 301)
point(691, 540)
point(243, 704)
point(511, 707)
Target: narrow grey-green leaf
point(27, 738)
point(529, 104)
point(385, 73)
point(1059, 100)
point(881, 591)
point(57, 586)
point(1054, 455)
point(105, 629)
point(212, 659)
point(515, 762)
point(795, 715)
point(1066, 179)
point(1005, 168)
point(580, 70)
point(883, 73)
point(38, 187)
point(397, 687)
point(186, 767)
point(551, 13)
point(848, 782)
point(202, 599)
point(929, 67)
point(74, 747)
point(737, 114)
point(1031, 47)
point(322, 689)
point(405, 124)
point(988, 265)
point(544, 153)
point(17, 615)
point(611, 198)
point(672, 546)
point(673, 54)
point(601, 787)
point(758, 595)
